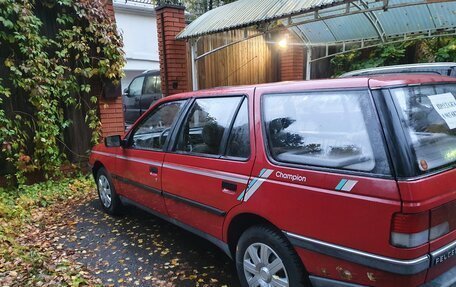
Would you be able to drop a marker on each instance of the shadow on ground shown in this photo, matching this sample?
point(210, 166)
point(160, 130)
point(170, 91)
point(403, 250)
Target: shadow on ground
point(139, 249)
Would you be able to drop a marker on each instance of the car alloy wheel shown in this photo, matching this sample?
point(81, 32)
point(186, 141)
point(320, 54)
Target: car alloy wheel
point(104, 188)
point(263, 267)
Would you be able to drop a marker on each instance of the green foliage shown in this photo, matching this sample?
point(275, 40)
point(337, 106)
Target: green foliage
point(51, 69)
point(199, 7)
point(18, 203)
point(442, 49)
point(28, 258)
point(428, 50)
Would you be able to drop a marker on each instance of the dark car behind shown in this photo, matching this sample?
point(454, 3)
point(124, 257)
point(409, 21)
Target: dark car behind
point(143, 90)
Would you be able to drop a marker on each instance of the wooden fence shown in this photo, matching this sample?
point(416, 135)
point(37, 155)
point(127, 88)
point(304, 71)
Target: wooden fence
point(252, 61)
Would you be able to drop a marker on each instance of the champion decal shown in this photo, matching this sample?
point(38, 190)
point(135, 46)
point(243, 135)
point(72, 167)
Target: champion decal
point(255, 184)
point(346, 185)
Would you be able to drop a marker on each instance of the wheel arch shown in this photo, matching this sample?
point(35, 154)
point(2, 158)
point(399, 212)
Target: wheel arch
point(240, 223)
point(96, 167)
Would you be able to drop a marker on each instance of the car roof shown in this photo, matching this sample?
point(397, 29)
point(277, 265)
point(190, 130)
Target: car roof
point(373, 82)
point(397, 68)
point(149, 72)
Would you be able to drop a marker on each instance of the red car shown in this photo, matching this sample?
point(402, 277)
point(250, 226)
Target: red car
point(343, 182)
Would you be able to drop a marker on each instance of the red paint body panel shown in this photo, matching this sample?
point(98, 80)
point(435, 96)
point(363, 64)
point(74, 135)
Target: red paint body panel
point(202, 189)
point(135, 165)
point(312, 208)
point(429, 192)
point(107, 157)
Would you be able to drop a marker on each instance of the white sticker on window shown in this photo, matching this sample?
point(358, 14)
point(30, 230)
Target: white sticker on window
point(445, 105)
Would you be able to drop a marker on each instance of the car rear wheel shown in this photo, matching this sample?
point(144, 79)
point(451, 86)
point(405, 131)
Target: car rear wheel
point(109, 199)
point(265, 258)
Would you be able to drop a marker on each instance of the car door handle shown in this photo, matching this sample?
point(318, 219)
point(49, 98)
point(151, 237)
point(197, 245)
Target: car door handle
point(229, 187)
point(153, 170)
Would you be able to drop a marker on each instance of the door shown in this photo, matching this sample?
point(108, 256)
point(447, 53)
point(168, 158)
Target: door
point(210, 163)
point(131, 100)
point(140, 163)
point(151, 93)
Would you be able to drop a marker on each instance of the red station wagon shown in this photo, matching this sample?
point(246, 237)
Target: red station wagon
point(343, 182)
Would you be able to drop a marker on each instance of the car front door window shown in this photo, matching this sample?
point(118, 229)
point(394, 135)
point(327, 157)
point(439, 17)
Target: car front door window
point(152, 132)
point(136, 86)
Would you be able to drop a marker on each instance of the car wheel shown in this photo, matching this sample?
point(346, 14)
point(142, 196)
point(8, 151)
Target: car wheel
point(107, 193)
point(265, 258)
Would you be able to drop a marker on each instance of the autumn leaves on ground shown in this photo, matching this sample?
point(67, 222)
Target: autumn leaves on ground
point(55, 234)
point(29, 221)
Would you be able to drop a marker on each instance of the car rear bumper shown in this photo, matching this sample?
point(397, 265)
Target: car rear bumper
point(324, 282)
point(394, 266)
point(447, 279)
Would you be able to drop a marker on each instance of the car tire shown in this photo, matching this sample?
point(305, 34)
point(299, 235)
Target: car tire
point(110, 201)
point(264, 257)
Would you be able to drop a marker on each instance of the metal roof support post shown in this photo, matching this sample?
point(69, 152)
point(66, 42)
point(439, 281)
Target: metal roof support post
point(193, 50)
point(308, 62)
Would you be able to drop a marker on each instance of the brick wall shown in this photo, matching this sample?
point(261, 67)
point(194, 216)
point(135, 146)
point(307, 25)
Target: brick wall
point(111, 110)
point(111, 116)
point(173, 53)
point(292, 62)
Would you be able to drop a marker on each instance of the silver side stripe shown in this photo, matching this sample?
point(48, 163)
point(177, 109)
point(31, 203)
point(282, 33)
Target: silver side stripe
point(140, 160)
point(104, 153)
point(129, 158)
point(210, 173)
point(205, 172)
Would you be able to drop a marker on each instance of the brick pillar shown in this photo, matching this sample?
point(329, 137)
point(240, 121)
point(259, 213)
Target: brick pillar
point(111, 108)
point(173, 53)
point(111, 116)
point(292, 60)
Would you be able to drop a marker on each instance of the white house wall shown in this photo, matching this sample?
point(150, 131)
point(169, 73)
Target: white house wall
point(138, 25)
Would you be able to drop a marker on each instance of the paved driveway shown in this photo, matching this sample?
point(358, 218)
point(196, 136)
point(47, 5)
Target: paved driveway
point(139, 249)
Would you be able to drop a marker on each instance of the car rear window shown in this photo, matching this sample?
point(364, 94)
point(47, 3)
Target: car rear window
point(206, 123)
point(325, 129)
point(428, 115)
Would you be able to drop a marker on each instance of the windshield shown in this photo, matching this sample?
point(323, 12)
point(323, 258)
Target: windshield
point(428, 115)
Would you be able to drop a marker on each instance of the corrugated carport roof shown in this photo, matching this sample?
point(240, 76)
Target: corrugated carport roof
point(332, 21)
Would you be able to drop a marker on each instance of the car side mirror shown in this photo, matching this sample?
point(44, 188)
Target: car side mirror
point(114, 141)
point(126, 92)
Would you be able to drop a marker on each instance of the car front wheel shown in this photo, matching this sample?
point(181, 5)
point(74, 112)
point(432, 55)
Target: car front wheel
point(265, 258)
point(107, 194)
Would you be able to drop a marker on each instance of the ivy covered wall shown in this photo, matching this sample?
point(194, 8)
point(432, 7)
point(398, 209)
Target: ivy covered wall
point(54, 57)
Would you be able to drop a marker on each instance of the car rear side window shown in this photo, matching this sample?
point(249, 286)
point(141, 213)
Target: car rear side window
point(152, 132)
point(152, 85)
point(239, 142)
point(325, 129)
point(206, 124)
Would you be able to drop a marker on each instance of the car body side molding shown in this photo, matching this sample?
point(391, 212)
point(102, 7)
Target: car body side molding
point(397, 266)
point(196, 204)
point(190, 202)
point(137, 184)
